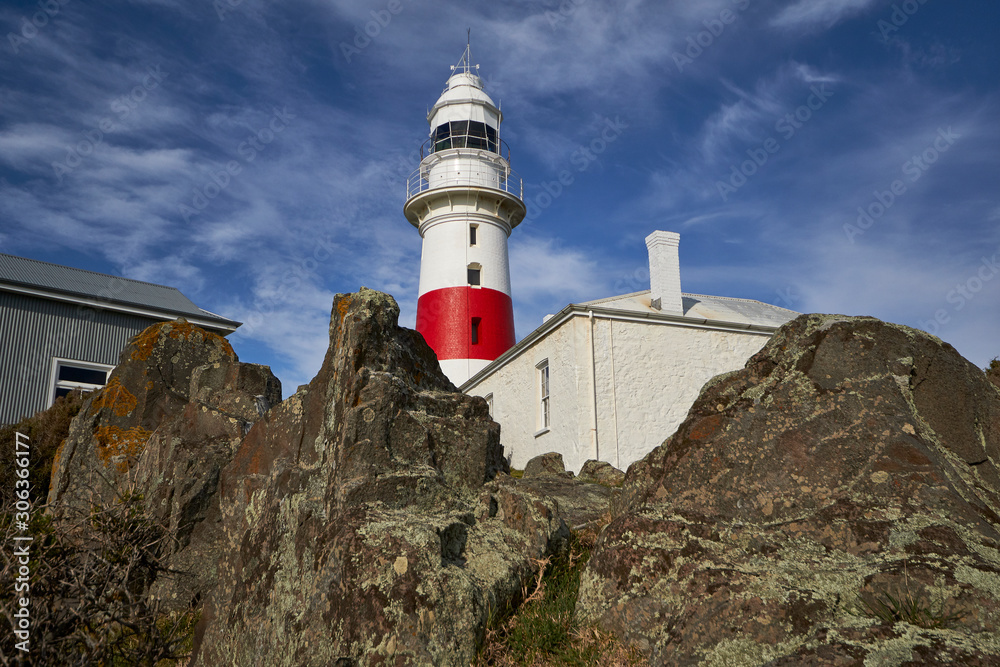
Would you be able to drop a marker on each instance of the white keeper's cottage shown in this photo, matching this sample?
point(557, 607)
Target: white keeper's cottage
point(611, 379)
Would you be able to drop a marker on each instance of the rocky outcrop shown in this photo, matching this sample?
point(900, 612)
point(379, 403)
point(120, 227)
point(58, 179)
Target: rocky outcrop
point(600, 472)
point(546, 464)
point(848, 470)
point(361, 522)
point(170, 418)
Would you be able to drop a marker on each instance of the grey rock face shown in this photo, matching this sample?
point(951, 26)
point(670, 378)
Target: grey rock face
point(361, 525)
point(171, 416)
point(850, 464)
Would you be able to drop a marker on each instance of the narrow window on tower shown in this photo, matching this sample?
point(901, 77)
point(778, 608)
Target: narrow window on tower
point(475, 275)
point(475, 330)
point(543, 395)
point(473, 232)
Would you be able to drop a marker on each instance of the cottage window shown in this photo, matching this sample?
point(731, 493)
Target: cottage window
point(543, 395)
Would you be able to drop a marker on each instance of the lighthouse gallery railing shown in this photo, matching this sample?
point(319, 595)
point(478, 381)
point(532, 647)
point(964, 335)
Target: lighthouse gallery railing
point(505, 180)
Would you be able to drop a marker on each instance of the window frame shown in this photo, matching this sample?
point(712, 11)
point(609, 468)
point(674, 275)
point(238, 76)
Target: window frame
point(478, 268)
point(473, 236)
point(55, 384)
point(543, 385)
point(475, 334)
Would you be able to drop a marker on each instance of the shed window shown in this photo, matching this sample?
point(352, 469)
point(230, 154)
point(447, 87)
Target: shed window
point(68, 374)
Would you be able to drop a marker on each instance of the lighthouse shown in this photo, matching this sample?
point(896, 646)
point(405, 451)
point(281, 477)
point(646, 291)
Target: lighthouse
point(465, 201)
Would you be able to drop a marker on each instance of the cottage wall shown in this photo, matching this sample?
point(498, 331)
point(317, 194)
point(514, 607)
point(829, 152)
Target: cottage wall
point(647, 376)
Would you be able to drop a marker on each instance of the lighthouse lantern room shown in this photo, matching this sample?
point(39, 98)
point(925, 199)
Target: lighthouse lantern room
point(465, 200)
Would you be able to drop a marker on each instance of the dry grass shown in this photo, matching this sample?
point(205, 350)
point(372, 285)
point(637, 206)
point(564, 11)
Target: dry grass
point(543, 630)
point(89, 579)
point(46, 431)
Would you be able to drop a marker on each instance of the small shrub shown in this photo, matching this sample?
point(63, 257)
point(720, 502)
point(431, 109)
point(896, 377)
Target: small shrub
point(543, 631)
point(893, 606)
point(89, 582)
point(993, 371)
point(46, 431)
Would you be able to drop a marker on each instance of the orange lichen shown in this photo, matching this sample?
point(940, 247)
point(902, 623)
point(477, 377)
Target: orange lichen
point(116, 398)
point(342, 306)
point(178, 329)
point(117, 446)
point(146, 341)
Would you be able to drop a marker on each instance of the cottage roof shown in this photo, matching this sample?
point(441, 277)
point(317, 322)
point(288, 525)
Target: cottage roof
point(703, 306)
point(100, 290)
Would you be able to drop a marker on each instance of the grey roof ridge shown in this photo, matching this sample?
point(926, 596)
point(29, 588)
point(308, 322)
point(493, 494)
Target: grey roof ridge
point(688, 294)
point(94, 273)
point(738, 298)
point(76, 295)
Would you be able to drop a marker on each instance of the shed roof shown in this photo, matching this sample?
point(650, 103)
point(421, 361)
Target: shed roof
point(20, 274)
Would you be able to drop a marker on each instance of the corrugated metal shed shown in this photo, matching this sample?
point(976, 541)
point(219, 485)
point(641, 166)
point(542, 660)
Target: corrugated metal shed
point(30, 273)
point(35, 331)
point(55, 316)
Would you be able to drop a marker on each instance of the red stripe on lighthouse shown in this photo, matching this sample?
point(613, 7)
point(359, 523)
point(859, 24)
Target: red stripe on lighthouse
point(444, 318)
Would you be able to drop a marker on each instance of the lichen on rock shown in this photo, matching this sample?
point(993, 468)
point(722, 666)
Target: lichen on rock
point(850, 465)
point(368, 519)
point(170, 417)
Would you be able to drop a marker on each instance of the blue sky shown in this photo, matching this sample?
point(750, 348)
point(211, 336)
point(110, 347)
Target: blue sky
point(253, 154)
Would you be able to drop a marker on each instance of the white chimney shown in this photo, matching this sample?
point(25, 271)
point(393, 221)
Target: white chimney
point(665, 272)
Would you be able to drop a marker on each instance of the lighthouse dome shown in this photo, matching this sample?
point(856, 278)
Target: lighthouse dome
point(465, 86)
point(464, 109)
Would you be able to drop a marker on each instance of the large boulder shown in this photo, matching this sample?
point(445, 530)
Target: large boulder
point(174, 410)
point(834, 502)
point(601, 472)
point(361, 522)
point(546, 464)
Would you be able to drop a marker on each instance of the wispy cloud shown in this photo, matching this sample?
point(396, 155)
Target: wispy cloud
point(819, 13)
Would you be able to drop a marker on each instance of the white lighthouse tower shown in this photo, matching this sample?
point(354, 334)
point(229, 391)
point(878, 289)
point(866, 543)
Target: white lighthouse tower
point(465, 200)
